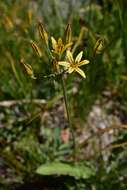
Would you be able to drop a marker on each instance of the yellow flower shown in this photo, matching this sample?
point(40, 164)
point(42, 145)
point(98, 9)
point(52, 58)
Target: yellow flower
point(72, 65)
point(58, 46)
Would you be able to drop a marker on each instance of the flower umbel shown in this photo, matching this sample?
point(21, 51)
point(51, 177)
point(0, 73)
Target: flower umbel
point(58, 46)
point(72, 65)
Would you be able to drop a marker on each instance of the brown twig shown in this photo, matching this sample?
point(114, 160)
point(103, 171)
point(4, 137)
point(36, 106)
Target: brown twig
point(101, 132)
point(9, 103)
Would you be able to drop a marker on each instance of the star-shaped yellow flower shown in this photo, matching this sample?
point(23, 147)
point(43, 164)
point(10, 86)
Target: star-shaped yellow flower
point(72, 65)
point(58, 46)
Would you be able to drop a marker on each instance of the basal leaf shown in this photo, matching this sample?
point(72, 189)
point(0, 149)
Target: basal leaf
point(58, 168)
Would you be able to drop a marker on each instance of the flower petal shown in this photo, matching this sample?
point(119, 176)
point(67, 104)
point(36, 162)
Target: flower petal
point(67, 46)
point(70, 57)
point(55, 52)
point(79, 57)
point(80, 72)
point(84, 62)
point(54, 43)
point(70, 70)
point(64, 63)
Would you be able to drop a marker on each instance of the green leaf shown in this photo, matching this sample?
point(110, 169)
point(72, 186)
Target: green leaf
point(58, 168)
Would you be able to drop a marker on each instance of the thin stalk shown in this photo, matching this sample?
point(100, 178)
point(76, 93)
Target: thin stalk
point(12, 62)
point(57, 10)
point(68, 115)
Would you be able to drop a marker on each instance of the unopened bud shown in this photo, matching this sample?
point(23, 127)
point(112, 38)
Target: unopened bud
point(68, 34)
point(28, 69)
point(43, 33)
point(99, 46)
point(36, 49)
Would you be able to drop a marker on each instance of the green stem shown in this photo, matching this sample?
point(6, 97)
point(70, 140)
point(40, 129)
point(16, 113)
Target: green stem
point(68, 115)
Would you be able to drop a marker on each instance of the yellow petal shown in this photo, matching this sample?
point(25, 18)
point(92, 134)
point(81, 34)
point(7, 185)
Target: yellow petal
point(70, 57)
point(67, 46)
point(80, 72)
point(54, 43)
point(84, 62)
point(79, 57)
point(55, 52)
point(70, 70)
point(64, 63)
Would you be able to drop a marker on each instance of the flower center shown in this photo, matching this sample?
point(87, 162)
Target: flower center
point(74, 64)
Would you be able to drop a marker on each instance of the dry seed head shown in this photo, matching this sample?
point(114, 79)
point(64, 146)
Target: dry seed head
point(43, 33)
point(36, 49)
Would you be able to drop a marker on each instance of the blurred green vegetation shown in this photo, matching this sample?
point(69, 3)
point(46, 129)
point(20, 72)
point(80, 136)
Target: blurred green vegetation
point(25, 142)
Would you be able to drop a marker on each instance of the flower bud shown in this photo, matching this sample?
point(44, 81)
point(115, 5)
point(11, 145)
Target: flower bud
point(68, 34)
point(99, 46)
point(28, 69)
point(43, 33)
point(36, 49)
